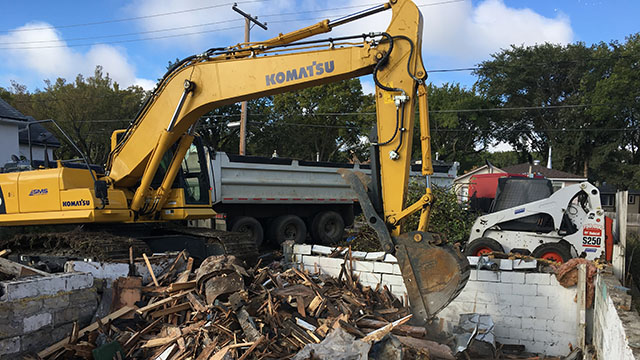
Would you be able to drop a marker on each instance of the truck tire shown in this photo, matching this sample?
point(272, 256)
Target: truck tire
point(327, 228)
point(251, 226)
point(288, 227)
point(556, 251)
point(482, 246)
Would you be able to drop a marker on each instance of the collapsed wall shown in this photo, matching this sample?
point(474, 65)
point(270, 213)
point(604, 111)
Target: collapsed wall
point(41, 310)
point(528, 308)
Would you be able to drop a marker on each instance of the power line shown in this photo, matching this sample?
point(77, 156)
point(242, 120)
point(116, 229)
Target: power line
point(134, 18)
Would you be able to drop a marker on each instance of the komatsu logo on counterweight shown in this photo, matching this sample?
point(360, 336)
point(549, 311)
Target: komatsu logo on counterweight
point(315, 69)
point(80, 202)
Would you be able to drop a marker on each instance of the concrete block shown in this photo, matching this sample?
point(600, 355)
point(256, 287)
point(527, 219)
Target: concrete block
point(473, 276)
point(486, 275)
point(501, 331)
point(498, 308)
point(390, 258)
point(311, 260)
point(370, 278)
point(506, 264)
point(335, 263)
point(547, 290)
point(99, 270)
point(513, 300)
point(375, 256)
point(544, 336)
point(553, 280)
point(520, 334)
point(562, 326)
point(399, 289)
point(321, 249)
point(519, 264)
point(536, 347)
point(545, 313)
point(26, 308)
point(534, 324)
point(10, 345)
point(363, 266)
point(525, 289)
point(396, 269)
point(540, 279)
point(78, 281)
point(331, 271)
point(382, 267)
point(537, 301)
point(523, 311)
point(33, 341)
point(392, 279)
point(302, 249)
point(359, 255)
point(512, 277)
point(509, 321)
point(473, 260)
point(35, 322)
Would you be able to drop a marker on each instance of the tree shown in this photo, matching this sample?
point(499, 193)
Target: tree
point(88, 110)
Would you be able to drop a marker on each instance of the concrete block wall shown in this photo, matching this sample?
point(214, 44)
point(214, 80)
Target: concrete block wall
point(616, 325)
point(528, 308)
point(38, 311)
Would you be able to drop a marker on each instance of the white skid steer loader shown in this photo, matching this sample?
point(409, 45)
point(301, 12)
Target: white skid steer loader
point(568, 223)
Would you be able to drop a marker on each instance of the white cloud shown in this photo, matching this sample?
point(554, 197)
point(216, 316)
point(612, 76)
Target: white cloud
point(50, 57)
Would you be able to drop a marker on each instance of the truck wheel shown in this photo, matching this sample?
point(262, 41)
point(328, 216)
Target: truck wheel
point(482, 246)
point(288, 227)
point(557, 252)
point(327, 228)
point(251, 226)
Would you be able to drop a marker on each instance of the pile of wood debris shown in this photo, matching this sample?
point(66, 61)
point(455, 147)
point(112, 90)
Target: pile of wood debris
point(225, 310)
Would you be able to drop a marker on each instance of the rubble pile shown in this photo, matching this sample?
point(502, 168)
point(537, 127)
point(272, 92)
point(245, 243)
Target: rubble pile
point(226, 310)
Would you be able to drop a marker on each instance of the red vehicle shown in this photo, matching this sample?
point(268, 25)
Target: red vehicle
point(482, 189)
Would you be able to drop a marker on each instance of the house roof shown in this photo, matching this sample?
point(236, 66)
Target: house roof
point(478, 169)
point(8, 112)
point(548, 173)
point(39, 135)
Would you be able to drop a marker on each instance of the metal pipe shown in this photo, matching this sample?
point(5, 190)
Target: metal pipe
point(358, 15)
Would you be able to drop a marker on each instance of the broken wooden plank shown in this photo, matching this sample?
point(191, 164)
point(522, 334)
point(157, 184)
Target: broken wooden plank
point(164, 301)
point(196, 303)
point(60, 344)
point(178, 286)
point(153, 276)
point(378, 334)
point(5, 252)
point(171, 310)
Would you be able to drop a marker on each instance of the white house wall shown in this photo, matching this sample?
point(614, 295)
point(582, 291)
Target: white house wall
point(38, 152)
point(8, 142)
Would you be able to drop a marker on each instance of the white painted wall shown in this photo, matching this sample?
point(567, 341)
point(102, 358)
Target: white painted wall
point(8, 141)
point(38, 152)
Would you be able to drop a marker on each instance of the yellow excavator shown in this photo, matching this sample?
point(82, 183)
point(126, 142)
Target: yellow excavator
point(144, 183)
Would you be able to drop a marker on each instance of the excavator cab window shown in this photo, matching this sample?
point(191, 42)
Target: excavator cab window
point(196, 178)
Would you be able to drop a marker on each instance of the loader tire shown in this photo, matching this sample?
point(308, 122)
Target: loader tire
point(555, 251)
point(327, 228)
point(250, 226)
point(482, 246)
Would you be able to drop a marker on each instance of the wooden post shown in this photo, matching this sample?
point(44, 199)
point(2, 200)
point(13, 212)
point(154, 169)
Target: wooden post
point(619, 266)
point(582, 305)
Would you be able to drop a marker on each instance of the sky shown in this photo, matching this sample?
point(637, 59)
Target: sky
point(134, 40)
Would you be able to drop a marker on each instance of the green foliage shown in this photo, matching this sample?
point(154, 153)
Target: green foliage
point(88, 110)
point(447, 215)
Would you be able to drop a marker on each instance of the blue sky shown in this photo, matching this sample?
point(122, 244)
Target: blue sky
point(70, 37)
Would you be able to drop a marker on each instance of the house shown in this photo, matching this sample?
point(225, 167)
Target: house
point(608, 199)
point(10, 122)
point(558, 178)
point(443, 175)
point(15, 134)
point(462, 182)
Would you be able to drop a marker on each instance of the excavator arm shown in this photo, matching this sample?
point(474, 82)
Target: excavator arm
point(433, 272)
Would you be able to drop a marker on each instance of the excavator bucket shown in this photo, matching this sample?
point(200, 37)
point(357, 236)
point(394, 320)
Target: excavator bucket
point(434, 272)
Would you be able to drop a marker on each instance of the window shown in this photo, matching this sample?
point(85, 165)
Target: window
point(632, 199)
point(608, 200)
point(557, 185)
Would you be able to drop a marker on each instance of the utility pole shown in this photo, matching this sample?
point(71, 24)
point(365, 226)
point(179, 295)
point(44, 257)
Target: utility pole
point(248, 19)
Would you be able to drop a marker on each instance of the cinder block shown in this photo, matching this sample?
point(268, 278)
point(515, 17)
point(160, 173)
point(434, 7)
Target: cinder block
point(382, 267)
point(335, 263)
point(520, 334)
point(520, 264)
point(35, 322)
point(545, 313)
point(513, 300)
point(501, 331)
point(371, 278)
point(473, 275)
point(544, 336)
point(541, 279)
point(79, 281)
point(321, 249)
point(534, 324)
point(360, 255)
point(302, 249)
point(512, 277)
point(10, 345)
point(473, 260)
point(498, 308)
point(46, 285)
point(525, 289)
point(396, 269)
point(310, 260)
point(547, 290)
point(553, 280)
point(506, 264)
point(363, 266)
point(509, 321)
point(537, 301)
point(536, 347)
point(392, 279)
point(399, 289)
point(375, 256)
point(523, 311)
point(390, 258)
point(331, 271)
point(562, 326)
point(485, 275)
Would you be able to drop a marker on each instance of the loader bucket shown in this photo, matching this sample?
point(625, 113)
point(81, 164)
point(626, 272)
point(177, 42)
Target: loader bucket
point(434, 272)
